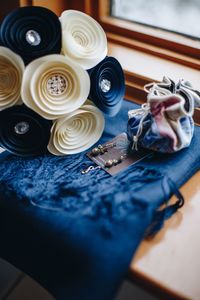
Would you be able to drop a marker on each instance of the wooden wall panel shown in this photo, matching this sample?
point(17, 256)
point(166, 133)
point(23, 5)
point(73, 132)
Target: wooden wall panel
point(59, 5)
point(7, 6)
point(25, 2)
point(55, 5)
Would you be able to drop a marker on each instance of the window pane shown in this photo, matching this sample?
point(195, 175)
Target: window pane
point(181, 16)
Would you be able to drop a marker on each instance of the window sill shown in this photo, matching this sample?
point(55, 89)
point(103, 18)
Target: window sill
point(141, 68)
point(166, 265)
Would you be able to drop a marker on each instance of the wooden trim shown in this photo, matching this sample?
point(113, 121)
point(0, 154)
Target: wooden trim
point(153, 287)
point(151, 36)
point(92, 9)
point(56, 6)
point(157, 51)
point(158, 42)
point(196, 116)
point(134, 87)
point(26, 2)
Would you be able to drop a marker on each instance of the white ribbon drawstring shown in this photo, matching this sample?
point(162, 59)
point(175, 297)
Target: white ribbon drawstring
point(149, 86)
point(143, 111)
point(154, 89)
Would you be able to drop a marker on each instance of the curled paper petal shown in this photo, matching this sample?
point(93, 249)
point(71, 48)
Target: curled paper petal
point(31, 32)
point(11, 71)
point(53, 86)
point(107, 86)
point(23, 132)
point(77, 131)
point(83, 39)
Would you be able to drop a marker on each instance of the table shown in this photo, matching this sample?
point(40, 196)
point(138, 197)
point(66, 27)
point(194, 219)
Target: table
point(169, 264)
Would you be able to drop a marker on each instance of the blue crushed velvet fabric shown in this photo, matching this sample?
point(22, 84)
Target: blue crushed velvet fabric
point(76, 234)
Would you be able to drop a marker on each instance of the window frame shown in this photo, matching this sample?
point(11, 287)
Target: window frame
point(153, 41)
point(176, 51)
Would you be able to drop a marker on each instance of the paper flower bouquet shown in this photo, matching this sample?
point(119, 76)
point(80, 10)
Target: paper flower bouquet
point(56, 81)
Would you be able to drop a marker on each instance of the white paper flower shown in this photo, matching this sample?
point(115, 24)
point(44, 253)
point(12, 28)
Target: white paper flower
point(11, 71)
point(77, 131)
point(83, 39)
point(53, 86)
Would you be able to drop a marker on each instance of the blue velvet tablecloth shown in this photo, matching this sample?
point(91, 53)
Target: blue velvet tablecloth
point(76, 234)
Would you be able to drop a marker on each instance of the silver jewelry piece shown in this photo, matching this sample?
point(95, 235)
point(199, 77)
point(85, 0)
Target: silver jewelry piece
point(90, 168)
point(21, 128)
point(33, 38)
point(113, 162)
point(105, 85)
point(56, 84)
point(102, 149)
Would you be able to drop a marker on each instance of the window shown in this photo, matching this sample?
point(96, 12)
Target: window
point(161, 43)
point(179, 16)
point(145, 52)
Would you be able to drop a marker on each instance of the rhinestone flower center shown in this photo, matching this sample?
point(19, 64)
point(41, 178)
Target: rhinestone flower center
point(56, 85)
point(105, 85)
point(21, 128)
point(33, 37)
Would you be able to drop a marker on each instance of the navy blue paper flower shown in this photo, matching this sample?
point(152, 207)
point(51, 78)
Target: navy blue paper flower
point(23, 132)
point(31, 32)
point(107, 85)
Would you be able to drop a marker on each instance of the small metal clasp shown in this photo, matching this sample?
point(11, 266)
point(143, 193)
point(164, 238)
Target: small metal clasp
point(90, 168)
